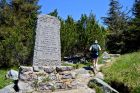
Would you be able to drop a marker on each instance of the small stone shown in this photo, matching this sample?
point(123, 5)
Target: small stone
point(74, 84)
point(24, 69)
point(48, 69)
point(99, 75)
point(23, 77)
point(45, 86)
point(73, 75)
point(67, 76)
point(36, 69)
point(60, 85)
point(52, 76)
point(63, 68)
point(27, 76)
point(106, 55)
point(50, 85)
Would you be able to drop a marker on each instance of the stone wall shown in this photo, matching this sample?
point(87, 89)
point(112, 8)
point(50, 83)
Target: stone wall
point(46, 78)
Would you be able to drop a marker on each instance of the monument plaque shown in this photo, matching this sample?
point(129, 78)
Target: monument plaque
point(47, 50)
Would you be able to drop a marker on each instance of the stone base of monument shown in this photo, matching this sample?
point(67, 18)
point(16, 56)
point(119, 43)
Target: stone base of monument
point(46, 78)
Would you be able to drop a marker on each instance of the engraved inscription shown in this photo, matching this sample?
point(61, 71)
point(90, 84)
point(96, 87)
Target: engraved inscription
point(47, 50)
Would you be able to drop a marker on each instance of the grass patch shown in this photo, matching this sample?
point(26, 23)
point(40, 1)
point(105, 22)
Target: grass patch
point(126, 70)
point(4, 82)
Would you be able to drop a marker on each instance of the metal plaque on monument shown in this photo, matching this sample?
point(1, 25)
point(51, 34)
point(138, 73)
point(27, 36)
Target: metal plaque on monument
point(47, 50)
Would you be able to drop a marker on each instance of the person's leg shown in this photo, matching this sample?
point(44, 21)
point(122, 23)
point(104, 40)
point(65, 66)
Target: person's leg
point(96, 61)
point(93, 62)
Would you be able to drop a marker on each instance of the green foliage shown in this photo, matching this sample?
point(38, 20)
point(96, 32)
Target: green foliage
point(87, 35)
point(35, 84)
point(54, 13)
point(77, 36)
point(134, 25)
point(68, 36)
point(117, 22)
point(45, 80)
point(93, 85)
point(125, 69)
point(125, 32)
point(3, 81)
point(17, 26)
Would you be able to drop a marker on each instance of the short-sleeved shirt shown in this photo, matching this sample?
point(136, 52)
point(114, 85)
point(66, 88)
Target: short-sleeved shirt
point(94, 54)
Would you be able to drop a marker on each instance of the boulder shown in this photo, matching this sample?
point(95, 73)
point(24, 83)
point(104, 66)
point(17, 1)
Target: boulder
point(8, 89)
point(48, 69)
point(24, 69)
point(105, 85)
point(25, 87)
point(28, 76)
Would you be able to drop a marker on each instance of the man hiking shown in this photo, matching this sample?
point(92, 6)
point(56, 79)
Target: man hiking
point(94, 48)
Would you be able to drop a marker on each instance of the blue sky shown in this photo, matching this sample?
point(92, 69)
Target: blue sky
point(75, 8)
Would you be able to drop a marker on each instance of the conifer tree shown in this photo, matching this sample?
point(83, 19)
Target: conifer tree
point(17, 31)
point(68, 36)
point(136, 13)
point(54, 13)
point(117, 23)
point(134, 36)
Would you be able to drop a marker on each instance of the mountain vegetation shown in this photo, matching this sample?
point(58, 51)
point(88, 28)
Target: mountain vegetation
point(17, 30)
point(18, 23)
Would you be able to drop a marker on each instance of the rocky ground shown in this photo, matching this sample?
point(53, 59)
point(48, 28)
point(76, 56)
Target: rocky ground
point(82, 80)
point(84, 75)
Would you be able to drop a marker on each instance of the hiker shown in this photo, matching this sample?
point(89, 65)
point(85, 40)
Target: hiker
point(13, 74)
point(94, 48)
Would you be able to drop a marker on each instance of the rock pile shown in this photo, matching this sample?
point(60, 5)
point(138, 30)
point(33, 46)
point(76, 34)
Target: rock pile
point(46, 78)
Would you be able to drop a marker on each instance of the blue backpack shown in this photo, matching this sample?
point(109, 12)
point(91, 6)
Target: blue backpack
point(95, 48)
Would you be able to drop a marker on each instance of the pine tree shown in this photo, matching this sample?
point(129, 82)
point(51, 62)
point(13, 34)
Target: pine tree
point(54, 13)
point(136, 13)
point(117, 23)
point(18, 31)
point(135, 28)
point(116, 20)
point(68, 36)
point(82, 26)
point(89, 33)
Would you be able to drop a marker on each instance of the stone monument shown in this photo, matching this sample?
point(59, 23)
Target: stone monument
point(46, 74)
point(47, 50)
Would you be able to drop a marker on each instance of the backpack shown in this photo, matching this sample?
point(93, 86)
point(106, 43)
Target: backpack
point(95, 48)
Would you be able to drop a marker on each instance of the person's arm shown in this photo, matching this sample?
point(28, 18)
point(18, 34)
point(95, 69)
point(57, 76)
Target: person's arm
point(90, 48)
point(99, 47)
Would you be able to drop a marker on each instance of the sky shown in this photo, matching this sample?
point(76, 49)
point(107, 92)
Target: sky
point(75, 8)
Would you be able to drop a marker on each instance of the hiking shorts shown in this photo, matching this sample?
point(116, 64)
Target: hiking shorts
point(94, 55)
